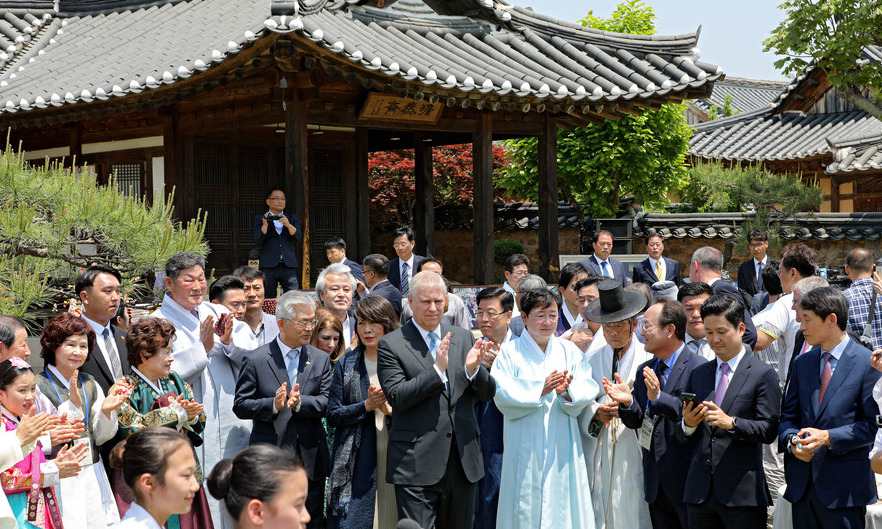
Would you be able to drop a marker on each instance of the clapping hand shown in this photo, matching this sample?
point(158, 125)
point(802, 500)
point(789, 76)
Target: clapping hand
point(376, 399)
point(66, 431)
point(206, 333)
point(68, 460)
point(607, 412)
point(192, 407)
point(281, 395)
point(227, 335)
point(294, 397)
point(653, 386)
point(551, 382)
point(490, 354)
point(441, 353)
point(116, 396)
point(74, 384)
point(619, 392)
point(564, 385)
point(475, 356)
point(33, 426)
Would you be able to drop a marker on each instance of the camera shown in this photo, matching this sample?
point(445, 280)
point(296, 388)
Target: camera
point(270, 216)
point(879, 421)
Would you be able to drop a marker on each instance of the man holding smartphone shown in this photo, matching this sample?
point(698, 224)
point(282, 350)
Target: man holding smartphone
point(276, 236)
point(828, 420)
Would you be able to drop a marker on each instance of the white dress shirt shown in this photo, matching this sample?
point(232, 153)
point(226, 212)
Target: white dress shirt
point(99, 340)
point(510, 289)
point(425, 334)
point(347, 333)
point(409, 268)
point(609, 267)
point(572, 320)
point(756, 266)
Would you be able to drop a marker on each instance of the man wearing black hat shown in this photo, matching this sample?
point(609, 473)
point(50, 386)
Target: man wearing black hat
point(612, 450)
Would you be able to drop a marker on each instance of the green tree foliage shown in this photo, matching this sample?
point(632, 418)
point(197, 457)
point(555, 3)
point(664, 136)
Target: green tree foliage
point(832, 35)
point(714, 188)
point(54, 221)
point(641, 154)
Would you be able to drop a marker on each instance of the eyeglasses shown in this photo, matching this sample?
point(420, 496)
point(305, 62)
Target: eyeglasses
point(491, 314)
point(306, 324)
point(276, 198)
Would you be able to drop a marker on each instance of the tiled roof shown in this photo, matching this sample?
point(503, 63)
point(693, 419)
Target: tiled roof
point(513, 216)
point(510, 52)
point(746, 95)
point(803, 226)
point(765, 135)
point(857, 155)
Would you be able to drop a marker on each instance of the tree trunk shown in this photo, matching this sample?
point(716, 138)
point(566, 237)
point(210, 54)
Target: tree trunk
point(864, 103)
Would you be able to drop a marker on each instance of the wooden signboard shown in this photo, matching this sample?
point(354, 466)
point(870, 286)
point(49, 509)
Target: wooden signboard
point(383, 107)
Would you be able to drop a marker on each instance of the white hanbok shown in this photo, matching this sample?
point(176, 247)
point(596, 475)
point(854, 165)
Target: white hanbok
point(86, 500)
point(544, 480)
point(615, 461)
point(212, 374)
point(10, 454)
point(137, 518)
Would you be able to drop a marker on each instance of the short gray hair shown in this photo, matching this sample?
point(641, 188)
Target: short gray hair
point(531, 282)
point(182, 261)
point(807, 284)
point(336, 269)
point(285, 304)
point(708, 258)
point(426, 279)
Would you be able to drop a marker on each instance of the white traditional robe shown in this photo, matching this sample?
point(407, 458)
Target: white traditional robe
point(544, 480)
point(212, 374)
point(614, 457)
point(10, 454)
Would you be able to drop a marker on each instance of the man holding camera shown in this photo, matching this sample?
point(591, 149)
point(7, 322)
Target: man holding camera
point(859, 267)
point(828, 420)
point(276, 236)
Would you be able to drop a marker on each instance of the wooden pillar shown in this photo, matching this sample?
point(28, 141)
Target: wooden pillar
point(363, 244)
point(482, 231)
point(549, 247)
point(834, 194)
point(172, 159)
point(76, 146)
point(424, 206)
point(297, 171)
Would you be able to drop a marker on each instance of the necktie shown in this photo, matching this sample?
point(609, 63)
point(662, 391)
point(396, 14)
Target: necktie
point(112, 354)
point(695, 346)
point(826, 374)
point(433, 343)
point(292, 368)
point(661, 371)
point(759, 277)
point(720, 393)
point(660, 270)
point(195, 314)
point(405, 279)
point(605, 269)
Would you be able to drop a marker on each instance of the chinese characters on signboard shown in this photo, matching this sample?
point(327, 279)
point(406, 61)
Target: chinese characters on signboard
point(383, 107)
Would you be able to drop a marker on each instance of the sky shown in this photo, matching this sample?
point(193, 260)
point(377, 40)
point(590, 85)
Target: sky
point(732, 33)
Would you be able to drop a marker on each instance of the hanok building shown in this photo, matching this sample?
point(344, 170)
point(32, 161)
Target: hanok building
point(736, 95)
point(221, 99)
point(810, 129)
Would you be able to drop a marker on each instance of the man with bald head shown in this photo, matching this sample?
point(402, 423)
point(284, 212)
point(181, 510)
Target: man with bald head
point(432, 375)
point(859, 266)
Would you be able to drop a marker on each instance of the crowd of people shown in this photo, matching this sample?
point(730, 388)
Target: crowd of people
point(665, 397)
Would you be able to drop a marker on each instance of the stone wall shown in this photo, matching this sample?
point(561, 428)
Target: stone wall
point(454, 249)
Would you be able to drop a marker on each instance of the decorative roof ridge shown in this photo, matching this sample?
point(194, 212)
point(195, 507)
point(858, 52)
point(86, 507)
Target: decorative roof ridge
point(732, 120)
point(754, 83)
point(855, 141)
point(81, 8)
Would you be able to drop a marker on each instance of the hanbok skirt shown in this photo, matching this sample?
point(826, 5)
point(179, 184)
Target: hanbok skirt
point(87, 500)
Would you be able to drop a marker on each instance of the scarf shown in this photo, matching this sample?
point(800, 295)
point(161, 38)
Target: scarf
point(354, 376)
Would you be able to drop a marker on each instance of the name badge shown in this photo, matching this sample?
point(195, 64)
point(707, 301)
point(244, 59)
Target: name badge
point(646, 431)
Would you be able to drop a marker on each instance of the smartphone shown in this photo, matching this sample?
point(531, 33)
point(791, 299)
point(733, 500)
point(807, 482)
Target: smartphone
point(687, 397)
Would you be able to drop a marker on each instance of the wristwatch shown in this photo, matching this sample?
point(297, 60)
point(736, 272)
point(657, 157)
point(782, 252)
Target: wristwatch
point(733, 423)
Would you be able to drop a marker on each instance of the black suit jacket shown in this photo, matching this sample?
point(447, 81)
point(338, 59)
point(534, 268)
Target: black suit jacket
point(274, 248)
point(747, 277)
point(729, 464)
point(96, 366)
point(644, 272)
point(665, 460)
point(840, 474)
point(388, 291)
point(356, 269)
point(722, 286)
point(395, 270)
point(618, 269)
point(426, 414)
point(263, 371)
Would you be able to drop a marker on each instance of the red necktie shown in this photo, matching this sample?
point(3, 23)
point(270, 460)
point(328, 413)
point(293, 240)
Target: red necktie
point(826, 375)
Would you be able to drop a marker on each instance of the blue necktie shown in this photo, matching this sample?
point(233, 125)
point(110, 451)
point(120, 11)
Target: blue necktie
point(405, 279)
point(433, 344)
point(605, 266)
point(292, 368)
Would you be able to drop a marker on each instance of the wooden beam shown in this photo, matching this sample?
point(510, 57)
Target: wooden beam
point(364, 192)
point(482, 231)
point(834, 194)
point(549, 247)
point(424, 215)
point(297, 171)
point(76, 145)
point(350, 196)
point(172, 159)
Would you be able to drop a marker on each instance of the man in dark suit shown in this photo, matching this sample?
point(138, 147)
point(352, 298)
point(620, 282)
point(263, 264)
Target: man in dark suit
point(432, 375)
point(376, 282)
point(828, 421)
point(403, 267)
point(750, 273)
point(97, 287)
point(706, 266)
point(601, 264)
point(571, 309)
point(283, 388)
point(654, 409)
point(335, 250)
point(734, 412)
point(656, 267)
point(277, 235)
